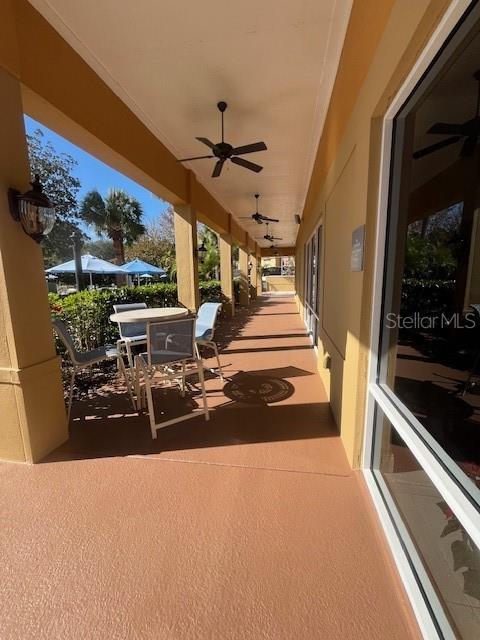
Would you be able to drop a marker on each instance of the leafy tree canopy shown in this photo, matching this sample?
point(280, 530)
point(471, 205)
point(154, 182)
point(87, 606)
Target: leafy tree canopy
point(157, 244)
point(433, 246)
point(56, 174)
point(100, 248)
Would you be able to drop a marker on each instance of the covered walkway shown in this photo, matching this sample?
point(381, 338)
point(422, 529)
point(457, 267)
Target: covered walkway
point(250, 526)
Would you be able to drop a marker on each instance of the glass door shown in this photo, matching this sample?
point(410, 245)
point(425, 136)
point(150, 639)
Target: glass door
point(312, 284)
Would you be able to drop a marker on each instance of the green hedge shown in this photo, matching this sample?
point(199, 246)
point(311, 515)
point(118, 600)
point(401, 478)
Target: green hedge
point(427, 296)
point(87, 313)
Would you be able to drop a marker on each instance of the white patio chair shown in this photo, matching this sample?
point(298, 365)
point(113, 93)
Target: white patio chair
point(205, 329)
point(170, 342)
point(131, 333)
point(84, 359)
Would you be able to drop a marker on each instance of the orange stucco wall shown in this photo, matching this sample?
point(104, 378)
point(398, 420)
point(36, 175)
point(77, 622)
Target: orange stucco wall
point(382, 43)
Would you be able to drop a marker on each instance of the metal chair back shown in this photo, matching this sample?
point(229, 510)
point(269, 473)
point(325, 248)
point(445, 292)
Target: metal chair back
point(65, 336)
point(131, 329)
point(207, 318)
point(170, 341)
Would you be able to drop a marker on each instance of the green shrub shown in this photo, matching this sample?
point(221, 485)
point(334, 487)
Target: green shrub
point(87, 313)
point(236, 290)
point(427, 296)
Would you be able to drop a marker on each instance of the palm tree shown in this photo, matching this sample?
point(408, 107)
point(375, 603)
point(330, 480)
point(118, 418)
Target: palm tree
point(210, 262)
point(117, 216)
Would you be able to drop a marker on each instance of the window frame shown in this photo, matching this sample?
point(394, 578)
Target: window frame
point(448, 478)
point(315, 239)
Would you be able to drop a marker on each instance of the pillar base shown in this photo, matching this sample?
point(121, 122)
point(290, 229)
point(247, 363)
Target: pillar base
point(33, 412)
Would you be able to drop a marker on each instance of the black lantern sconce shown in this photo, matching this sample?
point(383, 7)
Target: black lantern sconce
point(202, 251)
point(33, 210)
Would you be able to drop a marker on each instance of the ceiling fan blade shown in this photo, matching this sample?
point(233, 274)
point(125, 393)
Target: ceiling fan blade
point(258, 221)
point(266, 219)
point(468, 146)
point(275, 238)
point(217, 170)
point(249, 148)
point(206, 141)
point(435, 147)
point(447, 129)
point(195, 158)
point(248, 165)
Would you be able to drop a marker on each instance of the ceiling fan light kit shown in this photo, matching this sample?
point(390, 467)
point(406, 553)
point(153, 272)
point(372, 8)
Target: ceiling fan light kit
point(269, 237)
point(258, 217)
point(468, 131)
point(224, 151)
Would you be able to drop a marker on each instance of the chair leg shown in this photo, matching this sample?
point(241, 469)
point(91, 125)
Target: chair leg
point(128, 347)
point(70, 395)
point(201, 378)
point(137, 384)
point(183, 378)
point(220, 371)
point(119, 348)
point(121, 368)
point(151, 410)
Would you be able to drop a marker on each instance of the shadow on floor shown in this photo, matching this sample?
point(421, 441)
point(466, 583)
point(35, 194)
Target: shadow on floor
point(108, 427)
point(264, 405)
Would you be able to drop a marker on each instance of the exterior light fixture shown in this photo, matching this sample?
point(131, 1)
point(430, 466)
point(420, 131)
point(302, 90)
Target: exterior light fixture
point(202, 251)
point(33, 210)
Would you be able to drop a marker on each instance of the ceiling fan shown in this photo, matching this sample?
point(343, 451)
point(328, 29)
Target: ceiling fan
point(224, 151)
point(258, 217)
point(275, 249)
point(269, 237)
point(469, 131)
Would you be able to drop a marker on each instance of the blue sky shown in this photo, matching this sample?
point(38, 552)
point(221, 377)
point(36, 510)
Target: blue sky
point(94, 174)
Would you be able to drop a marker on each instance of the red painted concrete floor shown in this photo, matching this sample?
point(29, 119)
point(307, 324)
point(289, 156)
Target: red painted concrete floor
point(250, 526)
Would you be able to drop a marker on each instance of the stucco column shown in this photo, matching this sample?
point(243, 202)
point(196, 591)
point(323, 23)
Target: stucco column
point(253, 275)
point(226, 272)
point(259, 274)
point(243, 269)
point(185, 220)
point(33, 419)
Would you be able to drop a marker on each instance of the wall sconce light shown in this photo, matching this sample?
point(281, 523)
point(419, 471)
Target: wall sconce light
point(202, 251)
point(33, 210)
point(297, 218)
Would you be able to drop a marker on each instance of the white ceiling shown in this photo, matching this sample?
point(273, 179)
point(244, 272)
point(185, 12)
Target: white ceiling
point(273, 61)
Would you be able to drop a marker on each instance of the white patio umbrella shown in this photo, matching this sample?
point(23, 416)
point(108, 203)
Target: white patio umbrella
point(90, 264)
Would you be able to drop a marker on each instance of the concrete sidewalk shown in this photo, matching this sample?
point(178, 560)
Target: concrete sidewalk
point(249, 526)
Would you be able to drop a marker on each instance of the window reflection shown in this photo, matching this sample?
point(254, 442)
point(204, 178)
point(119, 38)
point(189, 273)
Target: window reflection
point(432, 305)
point(450, 557)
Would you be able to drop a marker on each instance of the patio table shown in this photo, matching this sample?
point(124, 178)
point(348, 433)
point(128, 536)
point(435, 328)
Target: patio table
point(152, 314)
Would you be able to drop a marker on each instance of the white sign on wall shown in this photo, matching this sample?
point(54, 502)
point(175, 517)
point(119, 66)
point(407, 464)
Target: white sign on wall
point(358, 241)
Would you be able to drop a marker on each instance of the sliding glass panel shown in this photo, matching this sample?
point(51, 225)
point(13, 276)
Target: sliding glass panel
point(431, 314)
point(450, 557)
